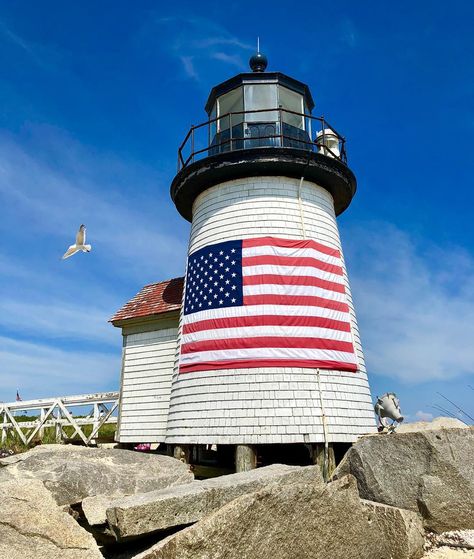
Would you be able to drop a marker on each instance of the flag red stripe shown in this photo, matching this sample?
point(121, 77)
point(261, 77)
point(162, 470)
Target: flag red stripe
point(293, 280)
point(300, 300)
point(266, 320)
point(252, 363)
point(266, 341)
point(291, 261)
point(288, 243)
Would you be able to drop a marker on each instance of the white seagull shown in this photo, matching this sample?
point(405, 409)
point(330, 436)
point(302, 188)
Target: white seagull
point(80, 243)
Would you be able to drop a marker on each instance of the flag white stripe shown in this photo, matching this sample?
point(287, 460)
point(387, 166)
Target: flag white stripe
point(258, 331)
point(273, 269)
point(266, 310)
point(294, 290)
point(268, 353)
point(268, 250)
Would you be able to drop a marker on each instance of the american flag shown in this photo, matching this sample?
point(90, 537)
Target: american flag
point(266, 302)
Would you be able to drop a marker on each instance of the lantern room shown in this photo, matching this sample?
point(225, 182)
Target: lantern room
point(259, 109)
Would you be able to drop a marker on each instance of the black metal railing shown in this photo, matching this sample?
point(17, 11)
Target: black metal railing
point(274, 127)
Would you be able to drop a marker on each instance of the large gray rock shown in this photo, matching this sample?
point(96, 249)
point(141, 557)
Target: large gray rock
point(449, 553)
point(402, 529)
point(32, 526)
point(176, 506)
point(430, 472)
point(284, 521)
point(463, 539)
point(72, 473)
point(95, 508)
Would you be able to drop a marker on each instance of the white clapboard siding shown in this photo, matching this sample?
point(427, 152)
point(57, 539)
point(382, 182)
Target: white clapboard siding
point(147, 368)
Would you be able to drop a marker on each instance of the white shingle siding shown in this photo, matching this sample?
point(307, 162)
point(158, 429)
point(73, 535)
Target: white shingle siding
point(147, 369)
point(268, 405)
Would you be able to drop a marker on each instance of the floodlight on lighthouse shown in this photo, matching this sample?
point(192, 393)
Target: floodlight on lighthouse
point(328, 143)
point(388, 407)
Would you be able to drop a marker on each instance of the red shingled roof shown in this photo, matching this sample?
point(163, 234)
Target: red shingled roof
point(156, 298)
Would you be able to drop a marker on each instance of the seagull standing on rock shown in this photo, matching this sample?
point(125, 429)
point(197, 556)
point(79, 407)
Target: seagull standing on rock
point(80, 243)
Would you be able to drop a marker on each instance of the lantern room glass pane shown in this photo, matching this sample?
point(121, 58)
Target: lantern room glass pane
point(213, 125)
point(231, 102)
point(292, 101)
point(261, 96)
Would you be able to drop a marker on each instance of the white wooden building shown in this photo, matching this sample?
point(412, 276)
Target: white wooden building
point(149, 324)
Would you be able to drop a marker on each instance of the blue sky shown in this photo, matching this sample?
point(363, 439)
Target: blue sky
point(95, 97)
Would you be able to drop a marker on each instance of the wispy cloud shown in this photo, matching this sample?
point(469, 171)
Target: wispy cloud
point(232, 59)
point(51, 200)
point(13, 269)
point(15, 39)
point(415, 304)
point(217, 41)
point(348, 33)
point(423, 415)
point(43, 56)
point(58, 320)
point(194, 41)
point(38, 370)
point(188, 66)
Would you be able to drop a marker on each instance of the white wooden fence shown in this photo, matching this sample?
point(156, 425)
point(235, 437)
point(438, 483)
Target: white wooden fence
point(97, 410)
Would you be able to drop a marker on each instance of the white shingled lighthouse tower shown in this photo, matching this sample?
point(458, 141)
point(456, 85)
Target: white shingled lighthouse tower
point(268, 347)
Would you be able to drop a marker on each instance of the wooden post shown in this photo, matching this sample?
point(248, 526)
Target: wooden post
point(325, 462)
point(95, 422)
point(58, 426)
point(245, 458)
point(317, 456)
point(182, 452)
point(331, 461)
point(41, 431)
point(4, 428)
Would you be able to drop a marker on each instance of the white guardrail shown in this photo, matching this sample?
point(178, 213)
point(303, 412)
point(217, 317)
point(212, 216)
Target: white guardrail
point(55, 412)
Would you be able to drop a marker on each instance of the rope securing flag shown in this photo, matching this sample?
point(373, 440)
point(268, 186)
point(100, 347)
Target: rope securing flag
point(266, 302)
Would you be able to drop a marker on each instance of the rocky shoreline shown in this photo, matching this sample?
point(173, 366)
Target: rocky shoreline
point(402, 496)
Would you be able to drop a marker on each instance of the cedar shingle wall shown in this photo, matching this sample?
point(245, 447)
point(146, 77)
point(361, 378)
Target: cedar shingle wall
point(148, 359)
point(268, 405)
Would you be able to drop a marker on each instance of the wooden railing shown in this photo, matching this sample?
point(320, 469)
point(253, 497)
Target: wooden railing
point(96, 410)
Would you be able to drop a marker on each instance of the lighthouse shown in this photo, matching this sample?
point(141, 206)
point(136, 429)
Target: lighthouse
point(268, 353)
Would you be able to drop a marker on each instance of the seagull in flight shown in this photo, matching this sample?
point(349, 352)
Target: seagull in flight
point(80, 243)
